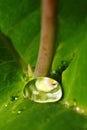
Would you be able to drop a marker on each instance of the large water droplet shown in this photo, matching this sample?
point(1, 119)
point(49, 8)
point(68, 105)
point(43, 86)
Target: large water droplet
point(43, 90)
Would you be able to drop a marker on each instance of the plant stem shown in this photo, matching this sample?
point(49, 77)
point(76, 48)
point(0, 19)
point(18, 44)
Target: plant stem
point(47, 41)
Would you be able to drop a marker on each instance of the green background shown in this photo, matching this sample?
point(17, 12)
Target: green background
point(20, 22)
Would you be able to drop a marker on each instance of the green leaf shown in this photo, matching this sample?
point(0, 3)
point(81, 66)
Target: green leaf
point(19, 113)
point(71, 53)
point(20, 22)
point(74, 77)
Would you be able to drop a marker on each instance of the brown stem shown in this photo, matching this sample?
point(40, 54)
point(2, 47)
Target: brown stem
point(47, 42)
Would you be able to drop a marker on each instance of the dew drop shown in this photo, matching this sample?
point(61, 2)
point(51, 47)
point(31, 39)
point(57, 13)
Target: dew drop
point(14, 98)
point(6, 105)
point(70, 103)
point(43, 90)
point(79, 110)
point(19, 112)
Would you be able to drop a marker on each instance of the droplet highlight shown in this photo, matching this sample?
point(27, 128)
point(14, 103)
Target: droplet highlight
point(43, 90)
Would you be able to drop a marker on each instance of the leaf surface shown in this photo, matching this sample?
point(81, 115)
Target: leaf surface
point(20, 22)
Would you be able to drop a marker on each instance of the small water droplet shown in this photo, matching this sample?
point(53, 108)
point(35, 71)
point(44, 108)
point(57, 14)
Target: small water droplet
point(43, 90)
point(14, 98)
point(19, 112)
point(70, 103)
point(66, 103)
point(6, 105)
point(79, 110)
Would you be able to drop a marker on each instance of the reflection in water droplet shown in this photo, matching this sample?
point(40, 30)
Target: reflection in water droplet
point(43, 90)
point(14, 98)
